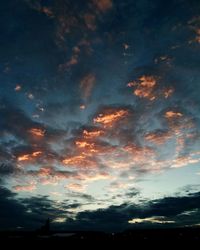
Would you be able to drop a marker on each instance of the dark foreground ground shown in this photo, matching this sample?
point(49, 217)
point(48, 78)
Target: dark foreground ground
point(133, 235)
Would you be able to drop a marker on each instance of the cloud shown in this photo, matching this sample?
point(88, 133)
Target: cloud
point(7, 169)
point(80, 161)
point(28, 213)
point(32, 212)
point(82, 196)
point(183, 161)
point(117, 185)
point(25, 188)
point(68, 123)
point(147, 87)
point(29, 157)
point(153, 220)
point(132, 192)
point(92, 133)
point(75, 187)
point(37, 132)
point(162, 211)
point(194, 25)
point(173, 115)
point(27, 130)
point(36, 5)
point(90, 21)
point(110, 143)
point(51, 176)
point(74, 60)
point(86, 85)
point(103, 5)
point(18, 87)
point(91, 177)
point(159, 137)
point(108, 117)
point(82, 21)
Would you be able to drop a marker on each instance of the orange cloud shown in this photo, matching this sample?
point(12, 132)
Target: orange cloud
point(124, 157)
point(173, 115)
point(131, 148)
point(139, 155)
point(110, 117)
point(24, 158)
point(92, 134)
point(86, 85)
point(18, 88)
point(37, 153)
point(84, 144)
point(103, 5)
point(158, 137)
point(25, 188)
point(147, 81)
point(29, 157)
point(73, 160)
point(88, 148)
point(75, 187)
point(37, 132)
point(184, 161)
point(145, 87)
point(72, 61)
point(80, 161)
point(43, 172)
point(90, 177)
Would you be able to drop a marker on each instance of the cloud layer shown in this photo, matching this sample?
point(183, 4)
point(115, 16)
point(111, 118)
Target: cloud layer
point(97, 100)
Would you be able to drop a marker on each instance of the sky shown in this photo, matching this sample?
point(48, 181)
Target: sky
point(99, 114)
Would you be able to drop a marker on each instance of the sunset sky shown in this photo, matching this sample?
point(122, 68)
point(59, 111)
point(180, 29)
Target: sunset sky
point(99, 114)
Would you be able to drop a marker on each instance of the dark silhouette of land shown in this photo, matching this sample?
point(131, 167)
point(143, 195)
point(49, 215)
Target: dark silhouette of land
point(45, 234)
point(45, 229)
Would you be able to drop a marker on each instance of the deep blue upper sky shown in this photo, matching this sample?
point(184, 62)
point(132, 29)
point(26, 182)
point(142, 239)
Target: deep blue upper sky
point(99, 113)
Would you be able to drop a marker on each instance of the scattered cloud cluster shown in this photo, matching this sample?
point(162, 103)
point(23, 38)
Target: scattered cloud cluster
point(101, 150)
point(147, 87)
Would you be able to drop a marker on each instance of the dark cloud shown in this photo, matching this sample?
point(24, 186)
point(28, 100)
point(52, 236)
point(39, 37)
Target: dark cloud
point(18, 124)
point(86, 197)
point(29, 213)
point(175, 209)
point(32, 212)
point(7, 169)
point(132, 192)
point(12, 218)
